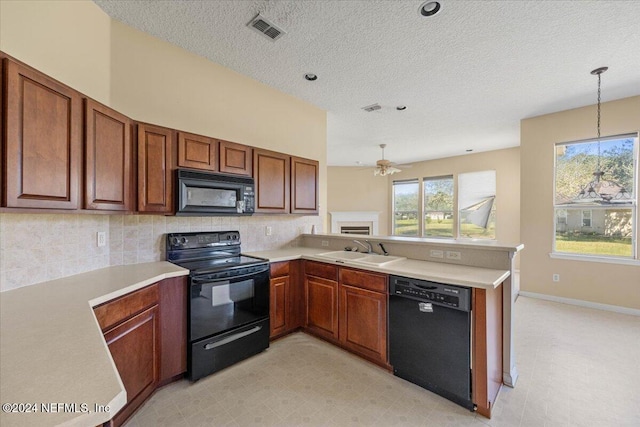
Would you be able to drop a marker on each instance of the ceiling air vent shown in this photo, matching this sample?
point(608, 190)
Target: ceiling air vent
point(373, 107)
point(266, 27)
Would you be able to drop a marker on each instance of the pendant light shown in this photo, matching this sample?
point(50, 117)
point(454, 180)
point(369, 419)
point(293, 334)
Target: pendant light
point(599, 190)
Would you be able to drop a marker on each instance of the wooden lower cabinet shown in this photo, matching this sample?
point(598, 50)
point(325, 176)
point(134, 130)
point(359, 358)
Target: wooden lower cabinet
point(348, 307)
point(363, 322)
point(322, 307)
point(286, 298)
point(173, 329)
point(486, 375)
point(134, 346)
point(279, 305)
point(145, 331)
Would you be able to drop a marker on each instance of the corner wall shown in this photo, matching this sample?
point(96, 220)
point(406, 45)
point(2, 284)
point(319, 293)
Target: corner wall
point(65, 39)
point(356, 189)
point(598, 282)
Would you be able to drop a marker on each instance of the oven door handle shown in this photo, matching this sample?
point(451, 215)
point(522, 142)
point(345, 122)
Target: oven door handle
point(197, 281)
point(232, 338)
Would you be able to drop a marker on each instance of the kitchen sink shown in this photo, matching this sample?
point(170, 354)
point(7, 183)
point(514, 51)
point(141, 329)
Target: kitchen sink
point(378, 260)
point(343, 255)
point(361, 258)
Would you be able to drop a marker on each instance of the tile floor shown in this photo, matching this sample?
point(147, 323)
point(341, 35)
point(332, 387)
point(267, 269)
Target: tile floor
point(578, 367)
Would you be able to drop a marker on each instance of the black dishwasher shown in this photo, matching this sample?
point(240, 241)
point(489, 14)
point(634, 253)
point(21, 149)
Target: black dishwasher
point(430, 336)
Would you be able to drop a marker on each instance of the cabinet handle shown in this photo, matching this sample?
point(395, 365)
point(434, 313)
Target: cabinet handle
point(232, 338)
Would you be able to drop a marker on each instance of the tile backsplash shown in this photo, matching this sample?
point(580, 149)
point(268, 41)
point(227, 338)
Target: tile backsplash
point(40, 247)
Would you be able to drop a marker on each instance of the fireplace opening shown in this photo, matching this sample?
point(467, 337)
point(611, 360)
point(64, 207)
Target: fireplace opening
point(355, 229)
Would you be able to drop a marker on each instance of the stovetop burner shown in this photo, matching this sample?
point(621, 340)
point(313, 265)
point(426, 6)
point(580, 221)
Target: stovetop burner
point(210, 265)
point(205, 252)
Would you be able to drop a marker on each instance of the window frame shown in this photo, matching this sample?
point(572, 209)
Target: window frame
point(634, 259)
point(454, 223)
point(421, 208)
point(583, 217)
point(393, 206)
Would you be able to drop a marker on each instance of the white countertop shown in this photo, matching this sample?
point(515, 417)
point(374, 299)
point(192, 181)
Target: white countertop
point(52, 349)
point(451, 274)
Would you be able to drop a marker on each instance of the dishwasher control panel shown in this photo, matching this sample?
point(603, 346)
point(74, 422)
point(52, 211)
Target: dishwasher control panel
point(455, 297)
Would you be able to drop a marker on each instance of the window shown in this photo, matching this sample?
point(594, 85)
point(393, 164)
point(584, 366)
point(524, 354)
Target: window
point(476, 205)
point(595, 198)
point(406, 195)
point(432, 199)
point(586, 218)
point(438, 207)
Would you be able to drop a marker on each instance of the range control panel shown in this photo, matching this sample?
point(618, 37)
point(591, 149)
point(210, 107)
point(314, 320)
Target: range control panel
point(455, 297)
point(182, 241)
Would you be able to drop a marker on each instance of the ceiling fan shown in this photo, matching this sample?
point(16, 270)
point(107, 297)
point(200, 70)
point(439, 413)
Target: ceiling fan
point(385, 167)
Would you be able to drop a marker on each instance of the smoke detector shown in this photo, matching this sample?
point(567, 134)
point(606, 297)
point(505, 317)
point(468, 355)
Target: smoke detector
point(373, 107)
point(265, 27)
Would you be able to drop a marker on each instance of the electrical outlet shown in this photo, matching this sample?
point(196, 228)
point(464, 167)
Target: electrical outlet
point(325, 243)
point(102, 239)
point(436, 254)
point(556, 277)
point(267, 231)
point(454, 255)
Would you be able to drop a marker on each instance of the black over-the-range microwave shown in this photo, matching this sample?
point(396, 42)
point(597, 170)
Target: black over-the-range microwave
point(205, 193)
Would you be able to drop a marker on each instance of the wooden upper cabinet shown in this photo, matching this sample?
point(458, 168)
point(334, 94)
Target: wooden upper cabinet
point(107, 149)
point(235, 158)
point(304, 186)
point(155, 164)
point(43, 140)
point(197, 152)
point(272, 181)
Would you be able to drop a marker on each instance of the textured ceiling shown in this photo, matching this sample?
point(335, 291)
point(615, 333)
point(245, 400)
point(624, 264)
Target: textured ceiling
point(467, 75)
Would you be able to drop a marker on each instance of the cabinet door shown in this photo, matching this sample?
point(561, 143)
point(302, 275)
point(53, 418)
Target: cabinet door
point(304, 186)
point(279, 309)
point(363, 322)
point(43, 141)
point(197, 152)
point(235, 158)
point(271, 175)
point(173, 328)
point(155, 160)
point(107, 148)
point(322, 307)
point(134, 349)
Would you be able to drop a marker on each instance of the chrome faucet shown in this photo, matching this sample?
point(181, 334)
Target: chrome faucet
point(368, 246)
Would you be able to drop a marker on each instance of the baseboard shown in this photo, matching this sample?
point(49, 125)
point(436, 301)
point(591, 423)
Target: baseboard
point(581, 303)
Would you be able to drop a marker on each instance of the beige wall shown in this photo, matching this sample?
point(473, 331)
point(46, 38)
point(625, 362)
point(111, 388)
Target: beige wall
point(356, 189)
point(156, 82)
point(505, 162)
point(67, 40)
point(148, 80)
point(590, 281)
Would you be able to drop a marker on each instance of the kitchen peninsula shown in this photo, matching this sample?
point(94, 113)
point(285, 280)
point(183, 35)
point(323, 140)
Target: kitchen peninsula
point(462, 262)
point(68, 302)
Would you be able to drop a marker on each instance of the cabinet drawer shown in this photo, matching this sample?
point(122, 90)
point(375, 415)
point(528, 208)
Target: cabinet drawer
point(318, 269)
point(364, 280)
point(113, 312)
point(279, 269)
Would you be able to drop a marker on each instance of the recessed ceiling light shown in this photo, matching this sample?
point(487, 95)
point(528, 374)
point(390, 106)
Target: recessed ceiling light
point(429, 8)
point(401, 107)
point(311, 77)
